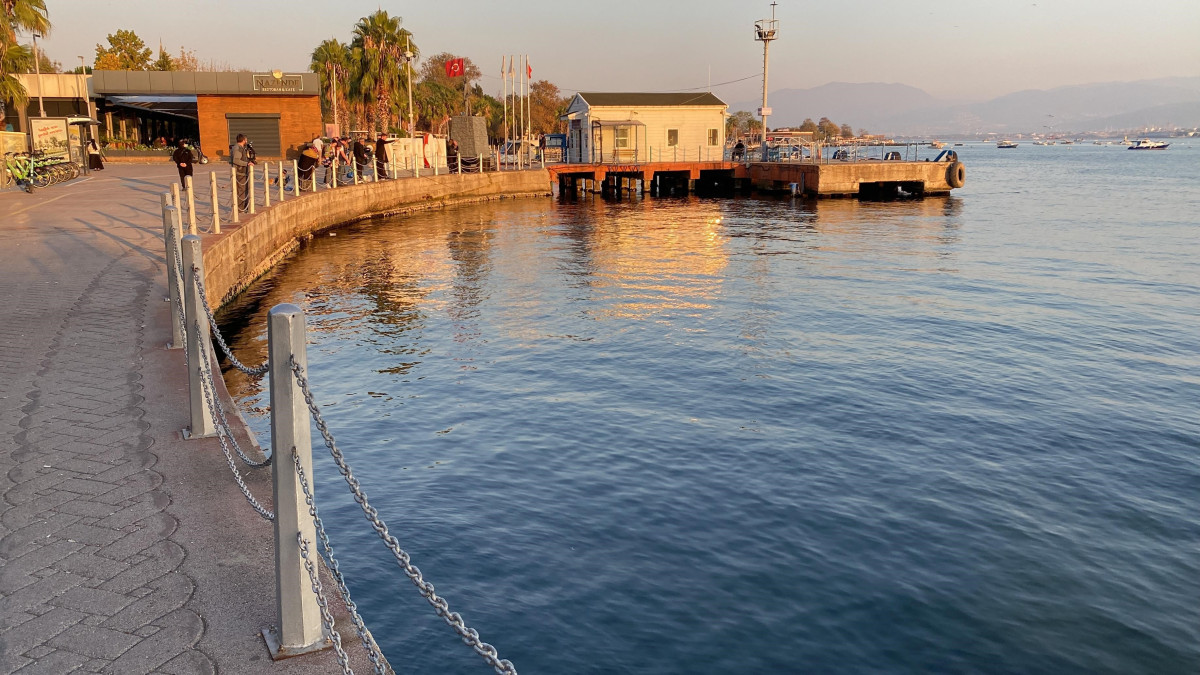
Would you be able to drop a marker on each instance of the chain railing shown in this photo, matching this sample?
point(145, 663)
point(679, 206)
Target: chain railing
point(292, 494)
point(468, 635)
point(335, 569)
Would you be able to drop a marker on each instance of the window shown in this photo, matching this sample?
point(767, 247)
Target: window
point(672, 137)
point(621, 138)
point(712, 137)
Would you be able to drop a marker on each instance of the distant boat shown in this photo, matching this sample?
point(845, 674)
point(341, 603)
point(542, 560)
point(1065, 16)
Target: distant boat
point(937, 145)
point(1147, 144)
point(1006, 144)
point(1040, 143)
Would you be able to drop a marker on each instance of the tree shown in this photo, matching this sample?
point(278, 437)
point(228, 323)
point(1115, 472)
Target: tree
point(186, 61)
point(741, 123)
point(809, 125)
point(435, 103)
point(546, 105)
point(378, 70)
point(45, 64)
point(28, 16)
point(847, 131)
point(125, 51)
point(14, 58)
point(331, 63)
point(164, 60)
point(17, 16)
point(826, 129)
point(862, 133)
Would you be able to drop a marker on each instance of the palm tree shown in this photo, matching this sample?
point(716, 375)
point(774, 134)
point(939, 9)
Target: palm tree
point(14, 58)
point(380, 41)
point(331, 61)
point(29, 16)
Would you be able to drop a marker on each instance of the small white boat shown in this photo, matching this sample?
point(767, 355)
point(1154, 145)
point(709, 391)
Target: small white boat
point(1147, 144)
point(1006, 144)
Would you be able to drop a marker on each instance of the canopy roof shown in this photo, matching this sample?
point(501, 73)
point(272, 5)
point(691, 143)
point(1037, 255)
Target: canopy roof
point(650, 99)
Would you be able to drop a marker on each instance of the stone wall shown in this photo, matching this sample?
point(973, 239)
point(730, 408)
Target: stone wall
point(243, 252)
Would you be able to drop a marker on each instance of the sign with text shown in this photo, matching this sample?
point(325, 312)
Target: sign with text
point(49, 135)
point(278, 82)
point(764, 111)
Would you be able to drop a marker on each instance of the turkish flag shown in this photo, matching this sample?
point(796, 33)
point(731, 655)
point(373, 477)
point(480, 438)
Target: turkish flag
point(529, 70)
point(454, 68)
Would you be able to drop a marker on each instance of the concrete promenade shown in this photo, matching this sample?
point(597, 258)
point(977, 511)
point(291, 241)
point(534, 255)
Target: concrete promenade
point(123, 549)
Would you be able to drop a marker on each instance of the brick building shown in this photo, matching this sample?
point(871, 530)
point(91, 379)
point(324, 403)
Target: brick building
point(277, 111)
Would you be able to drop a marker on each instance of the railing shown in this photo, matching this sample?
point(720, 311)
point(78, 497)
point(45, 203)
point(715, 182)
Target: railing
point(304, 620)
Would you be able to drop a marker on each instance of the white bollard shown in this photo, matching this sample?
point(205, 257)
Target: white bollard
point(266, 184)
point(174, 281)
point(216, 204)
point(334, 168)
point(233, 191)
point(281, 180)
point(296, 178)
point(299, 629)
point(250, 185)
point(191, 202)
point(354, 171)
point(197, 321)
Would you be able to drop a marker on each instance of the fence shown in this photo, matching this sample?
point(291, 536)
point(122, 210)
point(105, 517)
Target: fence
point(305, 621)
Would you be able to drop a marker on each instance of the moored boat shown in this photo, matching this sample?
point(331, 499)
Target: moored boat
point(1147, 144)
point(1006, 144)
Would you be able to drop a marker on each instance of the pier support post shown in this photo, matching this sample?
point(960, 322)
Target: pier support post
point(197, 321)
point(299, 630)
point(174, 281)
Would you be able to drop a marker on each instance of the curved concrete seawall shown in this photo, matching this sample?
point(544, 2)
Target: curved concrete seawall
point(245, 251)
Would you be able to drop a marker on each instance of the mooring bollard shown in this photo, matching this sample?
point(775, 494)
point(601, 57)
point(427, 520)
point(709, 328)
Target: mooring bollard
point(174, 281)
point(216, 205)
point(197, 321)
point(296, 178)
point(233, 191)
point(299, 629)
point(191, 202)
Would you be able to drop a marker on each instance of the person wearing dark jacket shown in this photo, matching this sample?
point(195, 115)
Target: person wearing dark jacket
point(381, 156)
point(239, 156)
point(360, 156)
point(183, 161)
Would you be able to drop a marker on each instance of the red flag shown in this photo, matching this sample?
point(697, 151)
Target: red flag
point(454, 68)
point(529, 70)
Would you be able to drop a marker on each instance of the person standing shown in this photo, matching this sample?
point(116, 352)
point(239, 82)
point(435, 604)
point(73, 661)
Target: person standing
point(183, 161)
point(240, 156)
point(360, 155)
point(381, 156)
point(95, 163)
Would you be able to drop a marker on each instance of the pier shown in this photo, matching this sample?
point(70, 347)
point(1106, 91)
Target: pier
point(819, 178)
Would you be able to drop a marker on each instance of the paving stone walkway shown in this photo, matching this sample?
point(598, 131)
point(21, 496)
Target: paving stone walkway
point(123, 548)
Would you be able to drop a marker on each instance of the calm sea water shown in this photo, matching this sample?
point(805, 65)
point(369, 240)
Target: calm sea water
point(952, 435)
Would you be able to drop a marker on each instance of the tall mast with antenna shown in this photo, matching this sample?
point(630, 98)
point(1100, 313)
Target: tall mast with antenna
point(764, 32)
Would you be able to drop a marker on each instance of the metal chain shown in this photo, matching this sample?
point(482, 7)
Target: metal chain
point(216, 331)
point(468, 635)
point(207, 386)
point(218, 407)
point(326, 617)
point(368, 640)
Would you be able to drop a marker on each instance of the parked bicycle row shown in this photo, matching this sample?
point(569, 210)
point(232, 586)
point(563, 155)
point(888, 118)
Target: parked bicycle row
point(37, 170)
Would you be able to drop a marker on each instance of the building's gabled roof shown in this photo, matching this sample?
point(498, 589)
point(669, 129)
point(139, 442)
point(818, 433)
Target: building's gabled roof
point(605, 98)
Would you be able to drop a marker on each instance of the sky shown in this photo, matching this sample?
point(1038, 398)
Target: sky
point(963, 51)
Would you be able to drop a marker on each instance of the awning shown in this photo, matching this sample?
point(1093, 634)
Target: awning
point(176, 106)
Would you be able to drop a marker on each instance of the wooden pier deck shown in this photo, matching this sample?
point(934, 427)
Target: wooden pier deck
point(817, 179)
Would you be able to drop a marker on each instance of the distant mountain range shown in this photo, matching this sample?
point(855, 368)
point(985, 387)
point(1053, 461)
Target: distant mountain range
point(903, 110)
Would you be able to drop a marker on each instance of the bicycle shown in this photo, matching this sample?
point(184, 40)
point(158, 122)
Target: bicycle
point(20, 169)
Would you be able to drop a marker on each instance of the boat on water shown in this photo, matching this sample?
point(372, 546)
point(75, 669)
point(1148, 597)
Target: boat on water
point(1147, 144)
point(1006, 144)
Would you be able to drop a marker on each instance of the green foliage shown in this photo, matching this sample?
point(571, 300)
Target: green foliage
point(163, 62)
point(22, 16)
point(846, 131)
point(125, 51)
point(741, 123)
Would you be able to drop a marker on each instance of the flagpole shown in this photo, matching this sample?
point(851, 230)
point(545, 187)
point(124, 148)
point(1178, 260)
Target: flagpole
point(504, 86)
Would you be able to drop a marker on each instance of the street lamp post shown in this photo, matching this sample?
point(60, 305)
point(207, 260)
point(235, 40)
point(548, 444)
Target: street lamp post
point(408, 58)
point(37, 68)
point(764, 32)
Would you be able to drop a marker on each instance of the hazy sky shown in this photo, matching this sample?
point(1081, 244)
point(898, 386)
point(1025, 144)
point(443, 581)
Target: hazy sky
point(965, 50)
